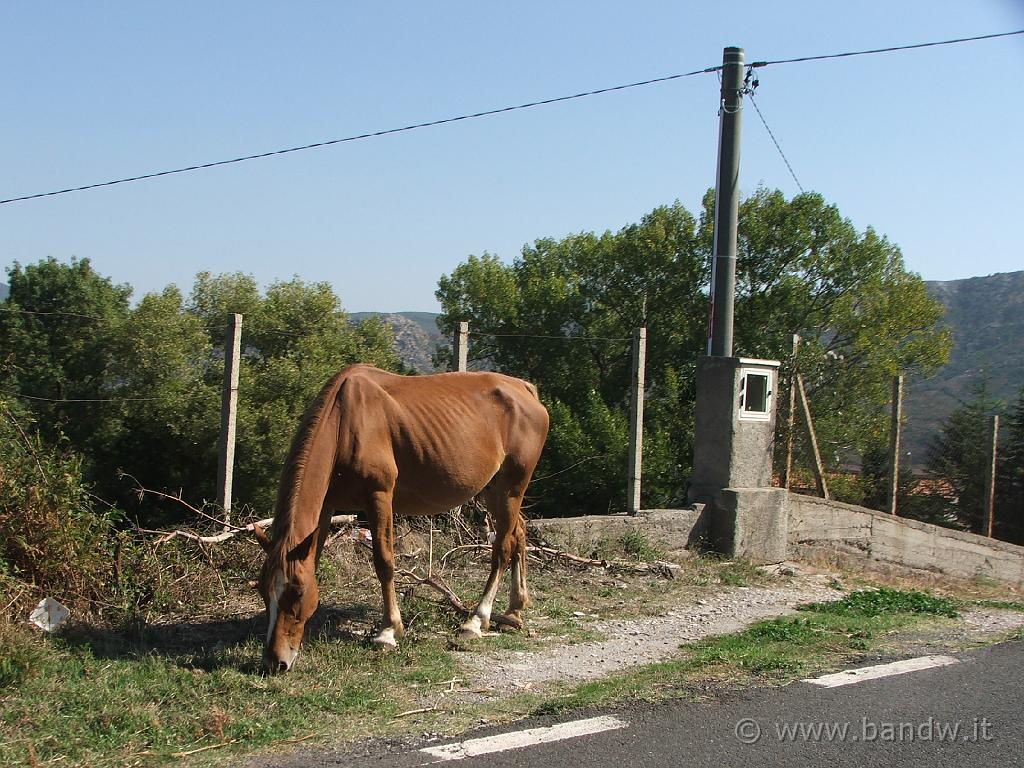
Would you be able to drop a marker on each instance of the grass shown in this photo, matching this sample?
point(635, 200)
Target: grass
point(772, 651)
point(67, 702)
point(147, 695)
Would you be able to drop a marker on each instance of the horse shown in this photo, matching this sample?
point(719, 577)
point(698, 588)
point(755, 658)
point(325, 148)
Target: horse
point(387, 444)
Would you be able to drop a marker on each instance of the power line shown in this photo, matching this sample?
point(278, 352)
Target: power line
point(77, 400)
point(891, 49)
point(330, 142)
point(776, 142)
point(491, 112)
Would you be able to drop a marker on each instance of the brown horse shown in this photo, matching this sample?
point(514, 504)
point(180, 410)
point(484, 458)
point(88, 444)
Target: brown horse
point(414, 445)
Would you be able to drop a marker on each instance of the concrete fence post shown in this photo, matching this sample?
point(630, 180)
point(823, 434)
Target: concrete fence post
point(895, 431)
point(229, 404)
point(460, 347)
point(636, 421)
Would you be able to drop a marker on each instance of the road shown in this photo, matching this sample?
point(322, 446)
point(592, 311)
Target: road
point(966, 713)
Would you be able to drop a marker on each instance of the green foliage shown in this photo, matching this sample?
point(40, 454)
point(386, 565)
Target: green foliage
point(562, 312)
point(960, 457)
point(1010, 481)
point(55, 540)
point(884, 601)
point(154, 373)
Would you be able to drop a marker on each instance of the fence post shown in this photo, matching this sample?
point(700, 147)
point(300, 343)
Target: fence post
point(894, 441)
point(636, 421)
point(819, 468)
point(460, 347)
point(787, 471)
point(229, 403)
point(990, 479)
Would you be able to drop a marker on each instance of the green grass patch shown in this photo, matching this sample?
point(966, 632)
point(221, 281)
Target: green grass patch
point(773, 651)
point(62, 701)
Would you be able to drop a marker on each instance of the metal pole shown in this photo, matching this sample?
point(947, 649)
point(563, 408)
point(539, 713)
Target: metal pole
point(460, 347)
point(727, 205)
point(990, 479)
point(636, 421)
point(894, 441)
point(229, 404)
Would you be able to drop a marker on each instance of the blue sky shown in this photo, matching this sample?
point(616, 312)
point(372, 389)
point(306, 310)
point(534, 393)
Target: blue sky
point(924, 146)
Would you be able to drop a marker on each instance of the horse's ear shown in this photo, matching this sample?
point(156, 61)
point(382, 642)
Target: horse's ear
point(301, 552)
point(262, 538)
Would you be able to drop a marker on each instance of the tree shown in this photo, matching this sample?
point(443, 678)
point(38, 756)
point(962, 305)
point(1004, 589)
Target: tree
point(153, 375)
point(561, 315)
point(1010, 483)
point(58, 332)
point(960, 457)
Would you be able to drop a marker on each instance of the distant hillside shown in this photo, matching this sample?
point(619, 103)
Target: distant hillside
point(986, 315)
point(5, 291)
point(416, 336)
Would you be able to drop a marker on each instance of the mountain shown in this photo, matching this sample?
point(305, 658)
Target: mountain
point(5, 291)
point(986, 316)
point(416, 336)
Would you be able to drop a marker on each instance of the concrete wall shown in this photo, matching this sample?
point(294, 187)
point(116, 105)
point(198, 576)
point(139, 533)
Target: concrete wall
point(811, 529)
point(820, 529)
point(670, 530)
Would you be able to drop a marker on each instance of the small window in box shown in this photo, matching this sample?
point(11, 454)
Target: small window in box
point(755, 394)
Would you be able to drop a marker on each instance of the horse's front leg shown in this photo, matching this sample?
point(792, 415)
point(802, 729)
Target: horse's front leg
point(383, 530)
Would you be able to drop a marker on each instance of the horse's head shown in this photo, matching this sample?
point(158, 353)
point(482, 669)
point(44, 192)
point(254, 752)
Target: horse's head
point(288, 585)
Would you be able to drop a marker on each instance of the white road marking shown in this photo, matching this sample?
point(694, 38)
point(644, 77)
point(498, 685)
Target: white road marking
point(518, 739)
point(850, 676)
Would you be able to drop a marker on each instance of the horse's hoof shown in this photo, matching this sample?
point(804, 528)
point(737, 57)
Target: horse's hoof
point(386, 639)
point(470, 631)
point(510, 623)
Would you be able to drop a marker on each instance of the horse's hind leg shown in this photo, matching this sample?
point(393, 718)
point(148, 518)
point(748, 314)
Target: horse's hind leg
point(503, 504)
point(383, 531)
point(519, 596)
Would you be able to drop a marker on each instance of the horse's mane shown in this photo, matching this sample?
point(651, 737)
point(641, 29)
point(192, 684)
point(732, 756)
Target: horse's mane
point(282, 529)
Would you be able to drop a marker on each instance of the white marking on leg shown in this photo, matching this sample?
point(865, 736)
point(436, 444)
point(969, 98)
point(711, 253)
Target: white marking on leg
point(519, 739)
point(850, 676)
point(473, 625)
point(386, 637)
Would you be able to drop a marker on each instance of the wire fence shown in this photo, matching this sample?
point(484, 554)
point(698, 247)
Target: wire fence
point(950, 458)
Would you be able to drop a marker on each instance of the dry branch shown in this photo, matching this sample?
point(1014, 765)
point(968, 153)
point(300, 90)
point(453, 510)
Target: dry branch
point(658, 566)
point(435, 582)
point(230, 531)
point(236, 530)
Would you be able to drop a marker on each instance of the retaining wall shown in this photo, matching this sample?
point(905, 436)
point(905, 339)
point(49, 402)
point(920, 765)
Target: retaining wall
point(833, 530)
point(813, 529)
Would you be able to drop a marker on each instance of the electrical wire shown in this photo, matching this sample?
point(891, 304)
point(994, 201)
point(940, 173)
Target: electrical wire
point(501, 110)
point(891, 49)
point(776, 142)
point(359, 137)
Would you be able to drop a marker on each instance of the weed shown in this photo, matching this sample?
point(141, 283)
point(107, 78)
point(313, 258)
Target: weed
point(883, 601)
point(636, 545)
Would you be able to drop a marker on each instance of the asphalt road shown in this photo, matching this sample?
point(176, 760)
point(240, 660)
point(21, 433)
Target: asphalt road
point(965, 714)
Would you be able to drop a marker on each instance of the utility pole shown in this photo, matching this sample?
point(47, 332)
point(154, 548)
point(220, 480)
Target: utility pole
point(229, 404)
point(727, 205)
